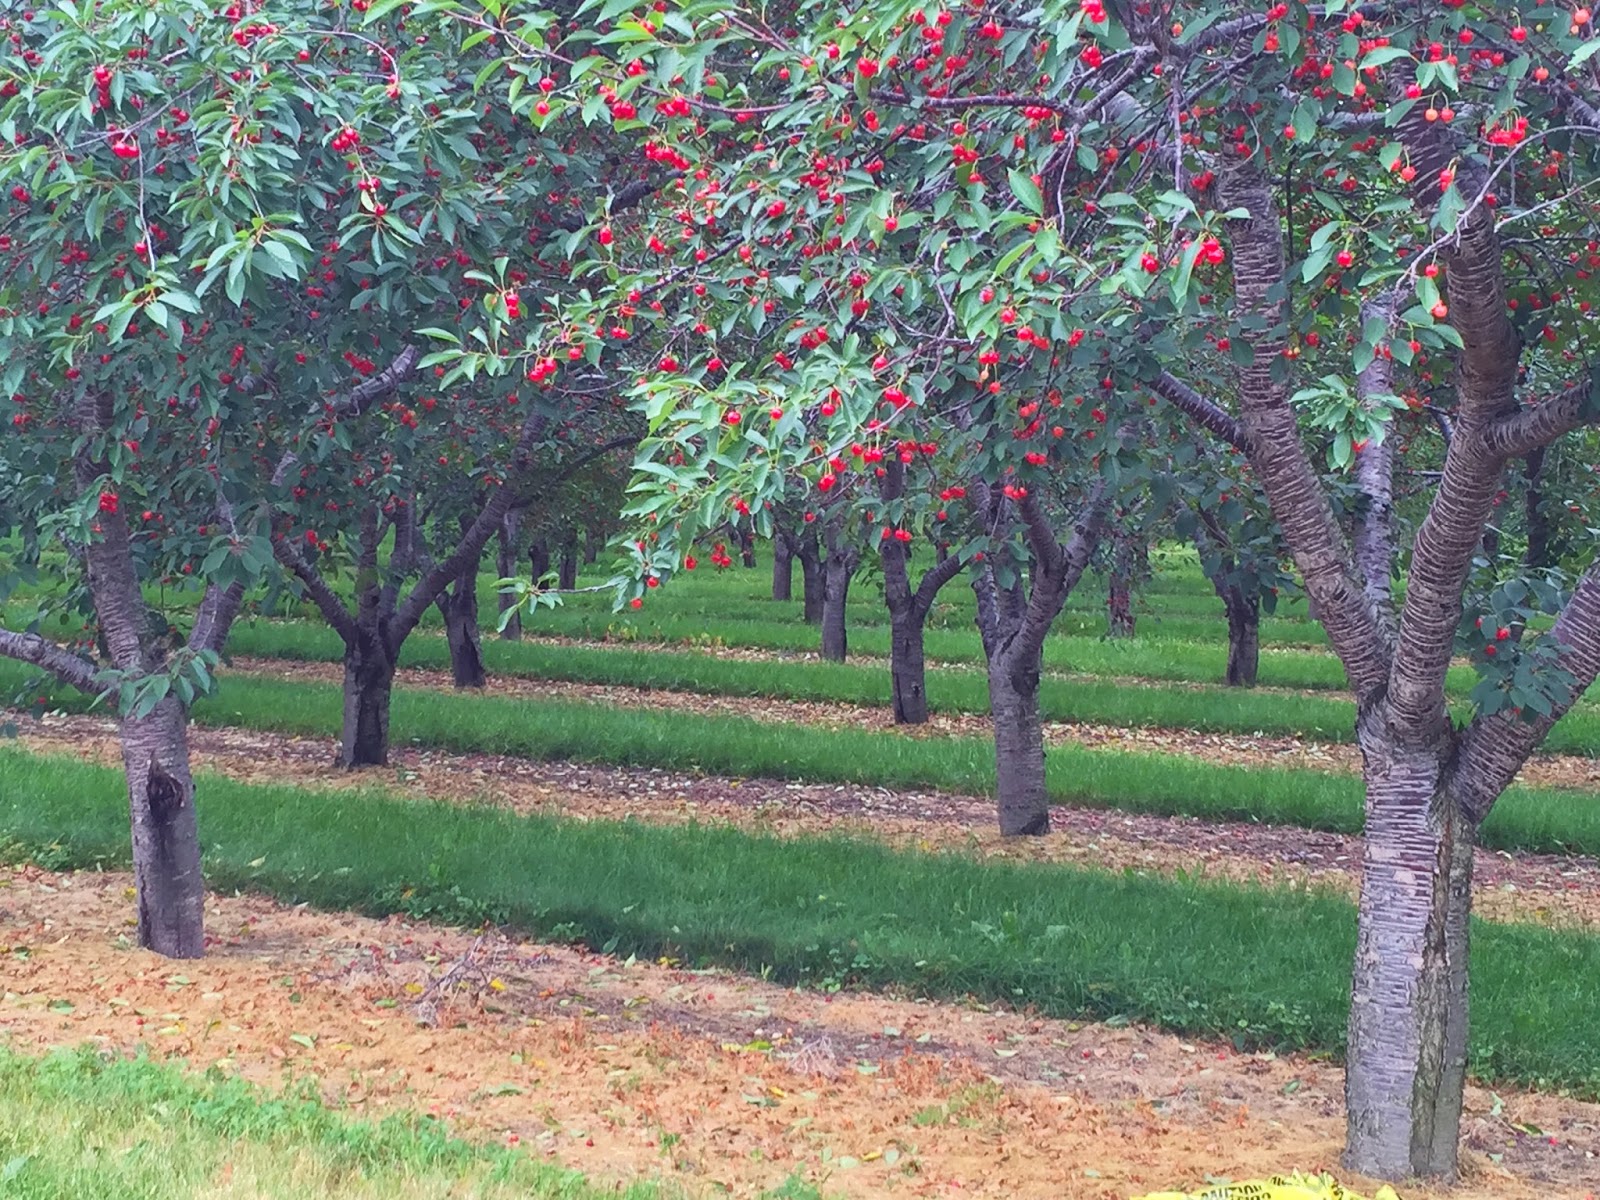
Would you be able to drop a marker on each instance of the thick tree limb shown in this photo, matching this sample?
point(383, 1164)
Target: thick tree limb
point(327, 601)
point(1276, 452)
point(1486, 375)
point(1374, 536)
point(470, 549)
point(40, 652)
point(215, 617)
point(1526, 430)
point(1208, 414)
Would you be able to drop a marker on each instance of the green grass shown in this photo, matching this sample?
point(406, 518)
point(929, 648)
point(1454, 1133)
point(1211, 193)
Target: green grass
point(1265, 967)
point(1084, 699)
point(1546, 820)
point(80, 1124)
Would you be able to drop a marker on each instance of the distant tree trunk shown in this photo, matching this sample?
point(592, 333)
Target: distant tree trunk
point(1013, 623)
point(747, 545)
point(838, 569)
point(1244, 637)
point(368, 682)
point(567, 570)
point(539, 558)
point(505, 565)
point(908, 610)
point(1125, 551)
point(1535, 510)
point(458, 605)
point(592, 541)
point(167, 881)
point(782, 569)
point(805, 548)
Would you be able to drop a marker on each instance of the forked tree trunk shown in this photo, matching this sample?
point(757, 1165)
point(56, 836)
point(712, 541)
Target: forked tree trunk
point(1244, 638)
point(838, 570)
point(505, 565)
point(747, 547)
point(1406, 1070)
point(567, 566)
point(459, 607)
point(368, 684)
point(1024, 801)
point(782, 569)
point(166, 839)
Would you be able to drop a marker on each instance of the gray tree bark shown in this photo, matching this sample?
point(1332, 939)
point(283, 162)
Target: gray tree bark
point(838, 569)
point(505, 565)
point(368, 685)
point(458, 605)
point(168, 884)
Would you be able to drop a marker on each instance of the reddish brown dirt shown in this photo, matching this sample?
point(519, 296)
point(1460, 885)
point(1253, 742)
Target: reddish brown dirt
point(1544, 889)
point(721, 1083)
point(1252, 750)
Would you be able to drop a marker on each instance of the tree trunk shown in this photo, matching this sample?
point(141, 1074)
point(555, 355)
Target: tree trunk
point(837, 572)
point(747, 546)
point(1406, 1066)
point(459, 607)
point(782, 569)
point(166, 836)
point(1024, 802)
point(592, 539)
point(1244, 639)
point(810, 580)
point(368, 682)
point(505, 565)
point(908, 673)
point(1119, 597)
point(539, 558)
point(567, 567)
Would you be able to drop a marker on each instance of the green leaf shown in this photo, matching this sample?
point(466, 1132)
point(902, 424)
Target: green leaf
point(1027, 191)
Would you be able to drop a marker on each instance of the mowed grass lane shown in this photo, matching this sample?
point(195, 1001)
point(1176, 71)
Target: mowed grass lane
point(1261, 967)
point(1545, 820)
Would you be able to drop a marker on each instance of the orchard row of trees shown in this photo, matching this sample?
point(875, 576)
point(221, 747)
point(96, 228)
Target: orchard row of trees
point(351, 292)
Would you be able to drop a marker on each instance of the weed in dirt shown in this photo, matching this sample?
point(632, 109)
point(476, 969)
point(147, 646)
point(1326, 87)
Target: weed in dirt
point(1268, 968)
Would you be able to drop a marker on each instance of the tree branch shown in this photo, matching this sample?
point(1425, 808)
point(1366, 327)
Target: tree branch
point(1207, 413)
point(40, 652)
point(327, 602)
point(1532, 428)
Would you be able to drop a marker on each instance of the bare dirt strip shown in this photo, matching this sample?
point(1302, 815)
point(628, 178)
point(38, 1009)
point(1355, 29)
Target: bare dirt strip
point(1543, 889)
point(1252, 750)
point(719, 1083)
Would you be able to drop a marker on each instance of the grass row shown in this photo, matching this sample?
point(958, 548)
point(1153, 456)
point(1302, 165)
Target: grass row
point(1544, 820)
point(79, 1124)
point(1080, 699)
point(1264, 967)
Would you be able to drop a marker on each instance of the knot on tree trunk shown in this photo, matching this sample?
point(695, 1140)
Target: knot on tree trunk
point(164, 793)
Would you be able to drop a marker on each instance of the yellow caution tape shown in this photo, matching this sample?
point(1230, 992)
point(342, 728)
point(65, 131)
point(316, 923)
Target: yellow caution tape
point(1279, 1187)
